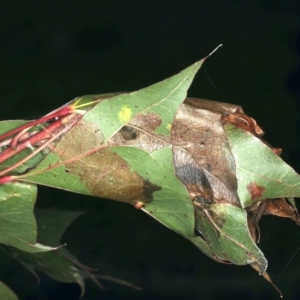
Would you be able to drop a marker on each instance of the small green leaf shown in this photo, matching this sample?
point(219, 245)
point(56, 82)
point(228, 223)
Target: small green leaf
point(225, 229)
point(6, 293)
point(17, 221)
point(60, 265)
point(261, 174)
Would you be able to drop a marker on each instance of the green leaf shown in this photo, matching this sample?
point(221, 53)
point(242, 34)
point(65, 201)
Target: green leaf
point(224, 227)
point(171, 203)
point(6, 293)
point(60, 265)
point(261, 174)
point(17, 221)
point(55, 177)
point(162, 99)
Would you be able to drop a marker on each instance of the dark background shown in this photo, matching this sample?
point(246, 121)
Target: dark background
point(53, 51)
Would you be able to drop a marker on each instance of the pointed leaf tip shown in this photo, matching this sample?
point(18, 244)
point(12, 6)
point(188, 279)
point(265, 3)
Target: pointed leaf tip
point(211, 53)
point(162, 99)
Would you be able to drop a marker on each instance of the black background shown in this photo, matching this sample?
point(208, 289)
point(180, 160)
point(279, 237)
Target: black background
point(53, 51)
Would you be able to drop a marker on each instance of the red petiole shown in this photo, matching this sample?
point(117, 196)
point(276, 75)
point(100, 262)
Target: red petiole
point(19, 139)
point(56, 114)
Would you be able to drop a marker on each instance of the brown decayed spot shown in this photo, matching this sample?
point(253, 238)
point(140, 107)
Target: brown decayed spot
point(149, 189)
point(244, 122)
point(147, 122)
point(255, 190)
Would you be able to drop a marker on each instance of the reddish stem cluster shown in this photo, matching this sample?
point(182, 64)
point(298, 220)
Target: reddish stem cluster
point(19, 139)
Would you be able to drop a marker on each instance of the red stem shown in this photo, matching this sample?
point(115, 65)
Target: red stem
point(6, 179)
point(56, 114)
point(69, 121)
point(42, 135)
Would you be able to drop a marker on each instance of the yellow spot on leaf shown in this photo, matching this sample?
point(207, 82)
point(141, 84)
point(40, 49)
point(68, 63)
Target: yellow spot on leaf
point(125, 114)
point(169, 126)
